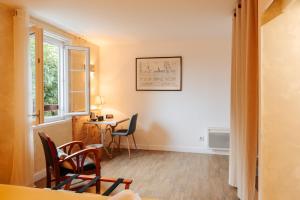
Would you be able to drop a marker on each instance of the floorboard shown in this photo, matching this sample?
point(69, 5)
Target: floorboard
point(171, 175)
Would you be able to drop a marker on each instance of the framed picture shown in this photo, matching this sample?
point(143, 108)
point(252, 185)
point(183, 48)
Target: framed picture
point(159, 73)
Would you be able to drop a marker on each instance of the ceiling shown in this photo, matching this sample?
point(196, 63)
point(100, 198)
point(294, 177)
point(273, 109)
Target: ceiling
point(114, 21)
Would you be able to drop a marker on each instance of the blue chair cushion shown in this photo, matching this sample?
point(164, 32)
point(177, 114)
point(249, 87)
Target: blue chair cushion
point(120, 132)
point(61, 154)
point(66, 167)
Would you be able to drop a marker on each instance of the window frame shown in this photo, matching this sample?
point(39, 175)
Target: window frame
point(39, 103)
point(87, 80)
point(42, 36)
point(60, 44)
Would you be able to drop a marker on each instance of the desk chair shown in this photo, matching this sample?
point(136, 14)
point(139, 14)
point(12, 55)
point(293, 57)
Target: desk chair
point(126, 133)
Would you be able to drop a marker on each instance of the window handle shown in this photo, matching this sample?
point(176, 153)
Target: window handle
point(37, 115)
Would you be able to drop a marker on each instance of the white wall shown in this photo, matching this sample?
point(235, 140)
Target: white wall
point(59, 132)
point(171, 120)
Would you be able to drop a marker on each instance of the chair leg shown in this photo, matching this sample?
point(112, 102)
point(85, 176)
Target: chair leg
point(134, 141)
point(128, 146)
point(98, 186)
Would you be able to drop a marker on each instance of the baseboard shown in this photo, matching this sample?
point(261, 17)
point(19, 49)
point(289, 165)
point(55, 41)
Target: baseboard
point(39, 175)
point(185, 149)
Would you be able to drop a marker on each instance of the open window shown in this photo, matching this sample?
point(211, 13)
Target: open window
point(77, 82)
point(52, 78)
point(60, 77)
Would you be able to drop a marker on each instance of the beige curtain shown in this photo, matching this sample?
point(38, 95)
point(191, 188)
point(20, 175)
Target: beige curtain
point(22, 155)
point(244, 99)
point(6, 92)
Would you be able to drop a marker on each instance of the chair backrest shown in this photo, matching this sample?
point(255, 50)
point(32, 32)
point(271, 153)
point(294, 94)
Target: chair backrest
point(50, 151)
point(132, 124)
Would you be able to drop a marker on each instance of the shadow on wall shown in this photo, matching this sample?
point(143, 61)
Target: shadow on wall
point(156, 131)
point(117, 113)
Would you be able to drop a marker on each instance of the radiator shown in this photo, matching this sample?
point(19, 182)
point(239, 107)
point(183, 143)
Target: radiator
point(218, 138)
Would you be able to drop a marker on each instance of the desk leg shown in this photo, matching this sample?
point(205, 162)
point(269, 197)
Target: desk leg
point(112, 142)
point(103, 141)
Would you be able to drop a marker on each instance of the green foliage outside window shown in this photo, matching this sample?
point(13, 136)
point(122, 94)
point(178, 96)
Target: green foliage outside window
point(51, 67)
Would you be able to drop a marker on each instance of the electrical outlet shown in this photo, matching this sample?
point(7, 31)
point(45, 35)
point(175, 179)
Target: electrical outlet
point(201, 138)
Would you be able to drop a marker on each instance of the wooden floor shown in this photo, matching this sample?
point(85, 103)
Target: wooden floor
point(171, 175)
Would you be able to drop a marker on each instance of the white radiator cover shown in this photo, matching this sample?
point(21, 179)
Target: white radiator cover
point(218, 138)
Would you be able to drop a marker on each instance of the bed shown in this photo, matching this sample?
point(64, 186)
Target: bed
point(12, 192)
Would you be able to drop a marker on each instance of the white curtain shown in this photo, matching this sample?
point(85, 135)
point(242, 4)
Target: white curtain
point(244, 99)
point(22, 159)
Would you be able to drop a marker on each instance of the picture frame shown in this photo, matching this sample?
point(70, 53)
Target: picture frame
point(159, 73)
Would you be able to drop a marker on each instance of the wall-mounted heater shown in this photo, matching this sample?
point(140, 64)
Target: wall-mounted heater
point(219, 138)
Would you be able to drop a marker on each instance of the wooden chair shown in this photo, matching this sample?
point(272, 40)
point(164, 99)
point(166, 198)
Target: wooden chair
point(90, 181)
point(125, 133)
point(63, 162)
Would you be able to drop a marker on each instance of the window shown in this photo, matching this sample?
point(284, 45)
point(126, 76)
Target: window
point(60, 77)
point(53, 63)
point(77, 79)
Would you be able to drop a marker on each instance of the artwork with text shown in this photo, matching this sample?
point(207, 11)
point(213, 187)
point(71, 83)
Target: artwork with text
point(161, 73)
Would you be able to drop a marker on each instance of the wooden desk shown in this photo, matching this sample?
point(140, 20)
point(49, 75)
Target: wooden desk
point(108, 122)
